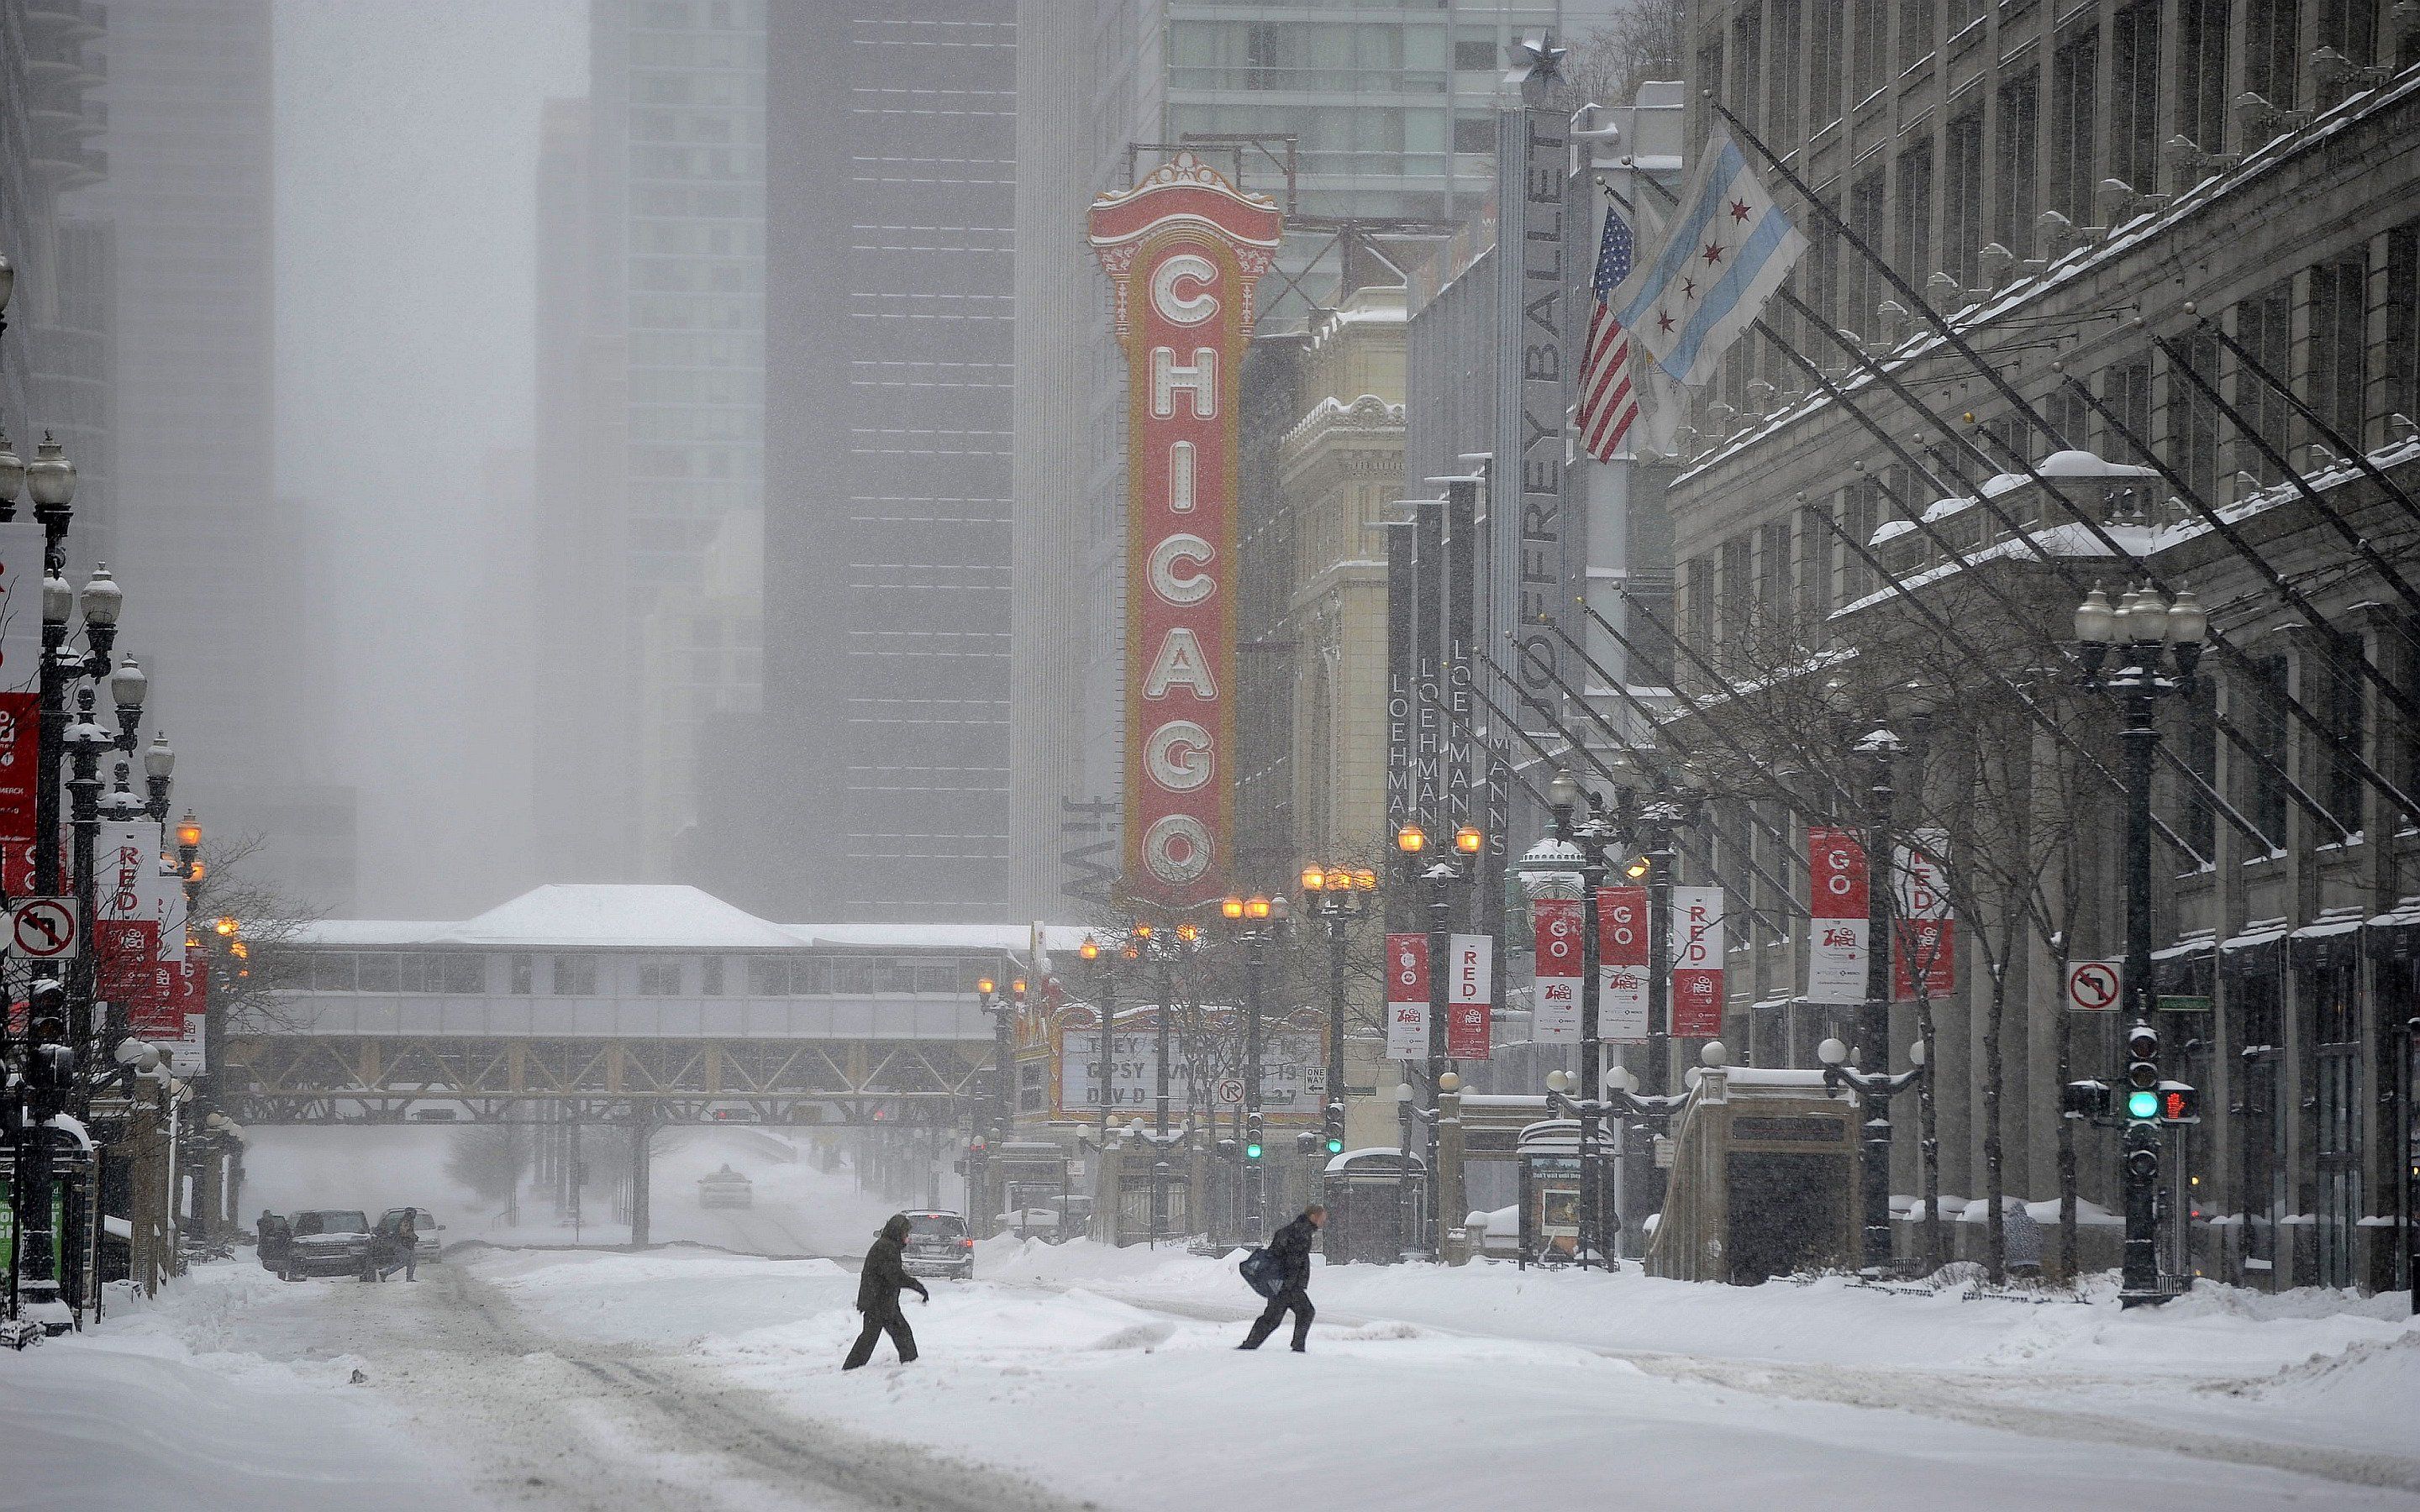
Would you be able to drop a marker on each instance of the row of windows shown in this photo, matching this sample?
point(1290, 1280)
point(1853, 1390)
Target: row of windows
point(578, 974)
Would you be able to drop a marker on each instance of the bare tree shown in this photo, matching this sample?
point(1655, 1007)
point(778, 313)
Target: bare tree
point(1643, 42)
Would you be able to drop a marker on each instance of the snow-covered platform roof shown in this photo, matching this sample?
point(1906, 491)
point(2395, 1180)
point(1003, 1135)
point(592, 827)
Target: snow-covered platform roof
point(650, 916)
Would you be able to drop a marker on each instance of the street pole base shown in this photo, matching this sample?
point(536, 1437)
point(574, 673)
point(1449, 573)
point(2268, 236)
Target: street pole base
point(2142, 1299)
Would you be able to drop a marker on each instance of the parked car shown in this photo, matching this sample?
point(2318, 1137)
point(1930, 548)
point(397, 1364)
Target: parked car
point(328, 1241)
point(937, 1244)
point(424, 1223)
point(725, 1188)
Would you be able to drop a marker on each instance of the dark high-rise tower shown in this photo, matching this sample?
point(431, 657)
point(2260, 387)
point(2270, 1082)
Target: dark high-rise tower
point(889, 182)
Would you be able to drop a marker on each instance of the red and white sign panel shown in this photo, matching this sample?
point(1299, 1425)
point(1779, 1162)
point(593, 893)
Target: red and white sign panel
point(1697, 962)
point(1925, 935)
point(1621, 965)
point(1555, 994)
point(1470, 965)
point(2092, 986)
point(126, 926)
point(1183, 250)
point(1407, 997)
point(1837, 902)
point(21, 671)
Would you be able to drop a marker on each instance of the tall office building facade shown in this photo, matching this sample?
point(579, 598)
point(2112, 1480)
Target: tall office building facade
point(890, 206)
point(1391, 115)
point(651, 363)
point(212, 560)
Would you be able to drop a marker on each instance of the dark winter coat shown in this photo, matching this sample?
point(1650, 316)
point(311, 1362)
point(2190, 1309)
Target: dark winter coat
point(1291, 1245)
point(886, 1273)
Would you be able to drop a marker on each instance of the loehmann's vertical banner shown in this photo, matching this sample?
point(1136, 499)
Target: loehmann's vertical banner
point(1183, 250)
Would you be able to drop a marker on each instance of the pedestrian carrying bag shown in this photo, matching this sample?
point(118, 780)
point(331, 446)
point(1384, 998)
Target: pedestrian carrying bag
point(1261, 1272)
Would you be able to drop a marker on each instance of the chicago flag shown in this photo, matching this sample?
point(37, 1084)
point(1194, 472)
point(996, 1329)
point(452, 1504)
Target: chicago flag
point(1729, 249)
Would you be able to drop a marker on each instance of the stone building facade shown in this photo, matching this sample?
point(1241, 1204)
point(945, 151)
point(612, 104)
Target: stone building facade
point(2076, 193)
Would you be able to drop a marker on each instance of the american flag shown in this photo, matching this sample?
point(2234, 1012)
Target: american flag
point(1608, 404)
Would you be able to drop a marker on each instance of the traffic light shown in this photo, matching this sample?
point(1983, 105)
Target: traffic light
point(1335, 1146)
point(1252, 1149)
point(1252, 1140)
point(2087, 1099)
point(2142, 1071)
point(2179, 1104)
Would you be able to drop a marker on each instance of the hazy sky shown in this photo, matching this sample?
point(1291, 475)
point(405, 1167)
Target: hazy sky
point(407, 137)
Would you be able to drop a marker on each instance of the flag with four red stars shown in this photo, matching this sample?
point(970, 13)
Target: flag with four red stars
point(1729, 248)
point(1609, 400)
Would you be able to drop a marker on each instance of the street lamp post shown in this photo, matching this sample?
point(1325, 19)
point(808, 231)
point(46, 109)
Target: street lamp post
point(1874, 1091)
point(2150, 636)
point(1261, 918)
point(1338, 897)
point(1881, 747)
point(1411, 843)
point(1103, 993)
point(1562, 794)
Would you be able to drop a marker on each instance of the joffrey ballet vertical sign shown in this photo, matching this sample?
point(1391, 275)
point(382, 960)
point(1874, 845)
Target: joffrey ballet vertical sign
point(1183, 250)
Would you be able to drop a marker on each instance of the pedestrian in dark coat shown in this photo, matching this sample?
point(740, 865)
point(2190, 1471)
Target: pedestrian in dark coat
point(1291, 1245)
point(878, 1296)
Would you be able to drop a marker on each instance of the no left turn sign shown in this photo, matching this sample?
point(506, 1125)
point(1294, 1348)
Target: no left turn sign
point(41, 928)
point(2092, 986)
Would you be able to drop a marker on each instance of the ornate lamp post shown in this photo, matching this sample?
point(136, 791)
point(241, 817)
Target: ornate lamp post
point(1338, 897)
point(2157, 645)
point(1411, 844)
point(1261, 920)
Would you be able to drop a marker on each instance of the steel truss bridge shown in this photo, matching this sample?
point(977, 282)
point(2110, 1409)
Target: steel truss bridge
point(303, 1078)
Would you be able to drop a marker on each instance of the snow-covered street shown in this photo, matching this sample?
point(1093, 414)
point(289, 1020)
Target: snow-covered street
point(690, 1378)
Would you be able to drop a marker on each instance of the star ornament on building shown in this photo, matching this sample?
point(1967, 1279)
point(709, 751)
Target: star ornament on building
point(1537, 57)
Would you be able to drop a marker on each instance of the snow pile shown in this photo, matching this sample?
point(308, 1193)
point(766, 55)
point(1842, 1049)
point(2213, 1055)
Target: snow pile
point(155, 1408)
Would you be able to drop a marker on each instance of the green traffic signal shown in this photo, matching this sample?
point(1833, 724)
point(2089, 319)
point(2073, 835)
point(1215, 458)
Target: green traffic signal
point(2142, 1104)
point(1252, 1151)
point(1336, 1146)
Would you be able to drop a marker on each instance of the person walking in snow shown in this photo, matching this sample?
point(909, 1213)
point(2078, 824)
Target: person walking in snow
point(402, 1249)
point(1291, 1248)
point(878, 1296)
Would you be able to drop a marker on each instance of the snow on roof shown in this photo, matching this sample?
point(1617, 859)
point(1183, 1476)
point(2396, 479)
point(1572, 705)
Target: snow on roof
point(643, 915)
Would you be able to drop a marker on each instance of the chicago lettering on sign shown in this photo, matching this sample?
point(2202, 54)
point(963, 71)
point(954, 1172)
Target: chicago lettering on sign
point(1183, 250)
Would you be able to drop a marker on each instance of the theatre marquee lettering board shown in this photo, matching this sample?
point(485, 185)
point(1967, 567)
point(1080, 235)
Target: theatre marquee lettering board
point(1183, 250)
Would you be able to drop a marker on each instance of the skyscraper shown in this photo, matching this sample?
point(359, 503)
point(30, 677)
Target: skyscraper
point(890, 198)
point(651, 417)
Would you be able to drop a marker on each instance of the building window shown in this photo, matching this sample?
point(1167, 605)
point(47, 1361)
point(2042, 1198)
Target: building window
point(2333, 1068)
point(1747, 70)
point(2255, 706)
point(2198, 750)
point(2074, 90)
point(1916, 212)
point(1475, 54)
point(2264, 326)
point(575, 976)
point(659, 977)
point(1962, 199)
point(1739, 591)
point(2400, 346)
point(2271, 52)
point(1474, 133)
point(1857, 521)
point(520, 974)
point(1915, 33)
point(2201, 67)
point(1773, 576)
point(1872, 53)
point(1820, 286)
point(2126, 389)
point(2336, 699)
point(1866, 203)
point(2134, 97)
point(1815, 571)
point(1823, 74)
point(331, 972)
point(2193, 420)
point(1700, 626)
point(710, 976)
point(853, 975)
point(2013, 148)
point(2339, 373)
point(1710, 70)
point(1788, 36)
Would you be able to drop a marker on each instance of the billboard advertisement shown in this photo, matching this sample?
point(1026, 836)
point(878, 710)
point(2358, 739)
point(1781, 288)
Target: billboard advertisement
point(1183, 250)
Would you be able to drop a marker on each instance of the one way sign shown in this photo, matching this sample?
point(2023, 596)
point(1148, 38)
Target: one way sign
point(42, 929)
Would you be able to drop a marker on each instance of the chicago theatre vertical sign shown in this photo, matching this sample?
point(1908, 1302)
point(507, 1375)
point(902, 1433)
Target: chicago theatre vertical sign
point(1183, 250)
